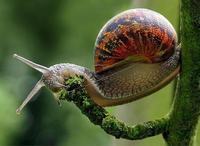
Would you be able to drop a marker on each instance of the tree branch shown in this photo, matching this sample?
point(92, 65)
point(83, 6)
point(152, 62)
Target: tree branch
point(76, 93)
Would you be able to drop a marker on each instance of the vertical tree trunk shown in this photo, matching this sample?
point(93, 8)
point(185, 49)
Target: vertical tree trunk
point(186, 109)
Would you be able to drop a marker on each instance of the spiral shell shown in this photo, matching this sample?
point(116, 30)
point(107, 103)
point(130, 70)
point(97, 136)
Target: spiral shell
point(139, 34)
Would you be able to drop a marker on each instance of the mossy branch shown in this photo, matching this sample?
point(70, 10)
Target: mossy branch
point(76, 93)
point(185, 112)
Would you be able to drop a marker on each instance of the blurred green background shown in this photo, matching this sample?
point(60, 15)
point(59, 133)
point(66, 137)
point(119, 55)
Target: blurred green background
point(50, 32)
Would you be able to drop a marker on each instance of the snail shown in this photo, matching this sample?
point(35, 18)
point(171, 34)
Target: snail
point(136, 54)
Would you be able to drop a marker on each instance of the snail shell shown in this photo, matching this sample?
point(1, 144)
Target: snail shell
point(136, 54)
point(142, 34)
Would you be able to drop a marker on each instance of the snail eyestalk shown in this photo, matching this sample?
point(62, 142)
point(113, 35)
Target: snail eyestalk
point(35, 90)
point(33, 65)
point(49, 79)
point(39, 84)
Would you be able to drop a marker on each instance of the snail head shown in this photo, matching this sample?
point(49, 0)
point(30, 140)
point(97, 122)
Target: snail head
point(50, 78)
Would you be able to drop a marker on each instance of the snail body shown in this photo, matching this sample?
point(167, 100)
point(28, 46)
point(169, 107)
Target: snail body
point(136, 54)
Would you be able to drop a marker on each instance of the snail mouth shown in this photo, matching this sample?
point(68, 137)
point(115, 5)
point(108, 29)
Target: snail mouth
point(52, 81)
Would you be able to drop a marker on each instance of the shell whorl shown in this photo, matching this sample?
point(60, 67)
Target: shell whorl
point(138, 33)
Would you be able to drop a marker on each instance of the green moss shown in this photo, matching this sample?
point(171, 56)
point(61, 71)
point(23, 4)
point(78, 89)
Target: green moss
point(112, 126)
point(62, 94)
